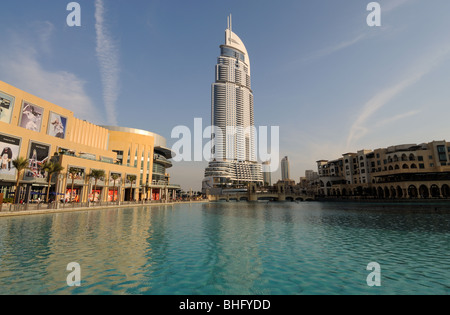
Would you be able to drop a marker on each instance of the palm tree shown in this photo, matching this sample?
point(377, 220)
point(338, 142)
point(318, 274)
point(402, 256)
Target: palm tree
point(73, 172)
point(132, 179)
point(96, 175)
point(20, 164)
point(114, 177)
point(51, 168)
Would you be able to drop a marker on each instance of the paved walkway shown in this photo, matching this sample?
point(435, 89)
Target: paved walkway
point(92, 208)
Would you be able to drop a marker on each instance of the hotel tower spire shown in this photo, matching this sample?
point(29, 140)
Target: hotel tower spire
point(234, 158)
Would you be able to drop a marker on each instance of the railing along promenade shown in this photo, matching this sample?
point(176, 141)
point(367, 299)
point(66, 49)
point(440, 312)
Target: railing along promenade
point(17, 208)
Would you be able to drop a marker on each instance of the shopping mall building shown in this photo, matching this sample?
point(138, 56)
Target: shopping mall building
point(33, 128)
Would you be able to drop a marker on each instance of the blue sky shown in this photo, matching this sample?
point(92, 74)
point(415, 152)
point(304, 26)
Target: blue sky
point(332, 83)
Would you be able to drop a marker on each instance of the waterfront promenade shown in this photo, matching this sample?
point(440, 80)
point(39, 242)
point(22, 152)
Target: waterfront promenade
point(22, 210)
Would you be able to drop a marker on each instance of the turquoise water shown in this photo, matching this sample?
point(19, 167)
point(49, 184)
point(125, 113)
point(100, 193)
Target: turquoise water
point(228, 248)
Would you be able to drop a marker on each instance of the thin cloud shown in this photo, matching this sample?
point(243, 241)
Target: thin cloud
point(44, 31)
point(394, 119)
point(108, 58)
point(392, 5)
point(335, 48)
point(361, 126)
point(20, 67)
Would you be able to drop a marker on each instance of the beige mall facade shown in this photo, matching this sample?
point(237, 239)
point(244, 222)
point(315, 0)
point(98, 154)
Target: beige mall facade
point(33, 128)
point(407, 171)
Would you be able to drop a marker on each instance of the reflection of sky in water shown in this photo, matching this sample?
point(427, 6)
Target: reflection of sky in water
point(229, 248)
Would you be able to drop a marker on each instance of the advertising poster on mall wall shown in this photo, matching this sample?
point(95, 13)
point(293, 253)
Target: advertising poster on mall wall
point(31, 117)
point(38, 154)
point(57, 126)
point(6, 107)
point(114, 187)
point(9, 149)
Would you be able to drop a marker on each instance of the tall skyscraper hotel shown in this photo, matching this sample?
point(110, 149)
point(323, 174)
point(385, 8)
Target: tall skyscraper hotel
point(234, 155)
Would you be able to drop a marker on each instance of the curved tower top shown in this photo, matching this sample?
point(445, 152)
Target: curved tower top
point(233, 41)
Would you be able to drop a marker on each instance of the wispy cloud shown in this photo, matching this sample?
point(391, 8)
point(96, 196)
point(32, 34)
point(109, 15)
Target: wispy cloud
point(20, 66)
point(391, 5)
point(44, 31)
point(361, 126)
point(391, 120)
point(334, 48)
point(108, 57)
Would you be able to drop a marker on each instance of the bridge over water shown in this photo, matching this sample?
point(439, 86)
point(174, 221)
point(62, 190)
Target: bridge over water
point(278, 193)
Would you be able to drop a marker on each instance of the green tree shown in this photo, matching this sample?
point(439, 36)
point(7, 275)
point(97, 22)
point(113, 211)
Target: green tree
point(115, 178)
point(20, 164)
point(51, 168)
point(96, 175)
point(132, 179)
point(72, 172)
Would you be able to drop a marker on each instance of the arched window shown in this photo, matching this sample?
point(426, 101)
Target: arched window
point(405, 167)
point(424, 192)
point(399, 192)
point(435, 191)
point(445, 191)
point(412, 157)
point(386, 192)
point(412, 191)
point(380, 192)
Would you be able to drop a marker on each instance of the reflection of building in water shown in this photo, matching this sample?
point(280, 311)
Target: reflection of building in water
point(112, 247)
point(235, 260)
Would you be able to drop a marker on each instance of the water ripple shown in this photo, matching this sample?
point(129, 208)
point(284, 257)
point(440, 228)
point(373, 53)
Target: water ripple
point(228, 248)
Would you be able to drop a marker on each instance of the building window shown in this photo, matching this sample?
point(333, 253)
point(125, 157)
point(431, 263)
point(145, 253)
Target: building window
point(442, 153)
point(420, 158)
point(422, 166)
point(431, 164)
point(119, 157)
point(430, 157)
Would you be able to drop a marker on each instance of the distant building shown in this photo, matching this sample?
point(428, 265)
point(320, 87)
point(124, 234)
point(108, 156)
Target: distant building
point(285, 172)
point(402, 171)
point(311, 176)
point(267, 176)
